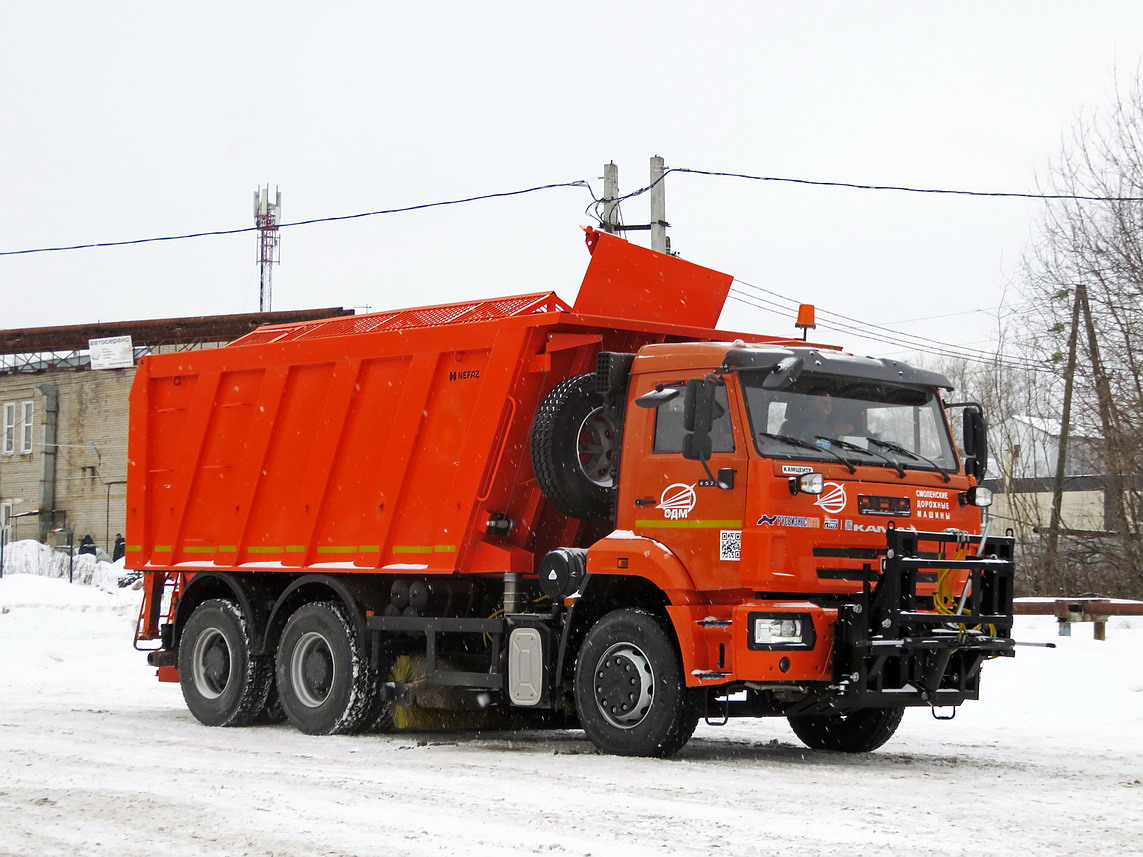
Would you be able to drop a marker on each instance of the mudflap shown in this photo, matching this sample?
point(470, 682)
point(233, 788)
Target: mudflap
point(893, 647)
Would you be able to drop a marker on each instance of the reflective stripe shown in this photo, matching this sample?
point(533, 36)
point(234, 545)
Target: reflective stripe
point(301, 549)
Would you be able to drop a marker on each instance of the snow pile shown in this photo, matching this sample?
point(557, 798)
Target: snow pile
point(29, 557)
point(1049, 761)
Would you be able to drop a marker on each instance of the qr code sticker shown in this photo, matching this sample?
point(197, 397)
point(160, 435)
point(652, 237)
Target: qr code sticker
point(730, 545)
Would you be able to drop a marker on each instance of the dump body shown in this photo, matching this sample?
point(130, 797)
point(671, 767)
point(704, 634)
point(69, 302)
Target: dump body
point(389, 449)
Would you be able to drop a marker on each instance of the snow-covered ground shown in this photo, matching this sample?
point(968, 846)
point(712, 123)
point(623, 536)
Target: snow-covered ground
point(97, 758)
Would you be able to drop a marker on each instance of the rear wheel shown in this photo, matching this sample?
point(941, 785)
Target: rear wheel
point(629, 688)
point(856, 732)
point(223, 683)
point(324, 681)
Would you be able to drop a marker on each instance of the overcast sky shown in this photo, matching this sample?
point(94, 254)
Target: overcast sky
point(131, 120)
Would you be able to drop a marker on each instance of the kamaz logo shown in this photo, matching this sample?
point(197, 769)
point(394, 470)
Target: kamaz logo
point(868, 528)
point(464, 375)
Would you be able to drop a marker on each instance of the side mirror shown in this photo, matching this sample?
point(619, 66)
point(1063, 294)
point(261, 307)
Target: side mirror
point(698, 416)
point(975, 442)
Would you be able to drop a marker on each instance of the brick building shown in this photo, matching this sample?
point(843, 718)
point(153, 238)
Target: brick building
point(63, 423)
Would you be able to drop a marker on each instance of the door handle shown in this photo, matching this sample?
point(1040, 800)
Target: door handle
point(645, 501)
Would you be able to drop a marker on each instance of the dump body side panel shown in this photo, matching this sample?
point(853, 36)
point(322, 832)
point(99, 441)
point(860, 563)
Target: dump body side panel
point(353, 452)
point(385, 450)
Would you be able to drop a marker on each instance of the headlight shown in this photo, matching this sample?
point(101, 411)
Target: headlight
point(777, 630)
point(781, 631)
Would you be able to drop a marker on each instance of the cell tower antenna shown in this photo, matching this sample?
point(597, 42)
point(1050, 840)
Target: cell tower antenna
point(267, 216)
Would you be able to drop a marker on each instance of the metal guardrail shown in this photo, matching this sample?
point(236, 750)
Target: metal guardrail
point(1067, 611)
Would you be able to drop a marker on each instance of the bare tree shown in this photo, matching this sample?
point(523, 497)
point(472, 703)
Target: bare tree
point(1020, 402)
point(1089, 254)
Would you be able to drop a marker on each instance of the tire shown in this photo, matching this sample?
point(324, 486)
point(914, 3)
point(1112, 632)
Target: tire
point(630, 693)
point(856, 732)
point(574, 446)
point(271, 713)
point(324, 681)
point(222, 682)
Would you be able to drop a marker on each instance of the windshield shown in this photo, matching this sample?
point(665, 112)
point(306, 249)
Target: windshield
point(860, 421)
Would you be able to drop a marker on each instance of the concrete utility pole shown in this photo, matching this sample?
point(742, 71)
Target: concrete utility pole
point(659, 223)
point(610, 198)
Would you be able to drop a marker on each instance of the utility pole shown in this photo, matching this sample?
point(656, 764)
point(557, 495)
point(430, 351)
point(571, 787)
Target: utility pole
point(610, 198)
point(1111, 436)
point(1065, 430)
point(267, 215)
point(659, 242)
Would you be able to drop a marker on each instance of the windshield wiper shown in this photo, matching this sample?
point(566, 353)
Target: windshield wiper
point(845, 444)
point(896, 447)
point(805, 444)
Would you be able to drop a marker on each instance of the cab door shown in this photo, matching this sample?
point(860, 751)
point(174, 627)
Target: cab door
point(670, 499)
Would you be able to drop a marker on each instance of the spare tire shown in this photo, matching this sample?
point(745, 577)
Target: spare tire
point(574, 446)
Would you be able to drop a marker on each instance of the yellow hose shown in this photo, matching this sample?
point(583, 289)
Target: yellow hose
point(948, 602)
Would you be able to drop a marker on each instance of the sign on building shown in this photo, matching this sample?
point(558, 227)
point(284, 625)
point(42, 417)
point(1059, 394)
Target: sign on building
point(112, 352)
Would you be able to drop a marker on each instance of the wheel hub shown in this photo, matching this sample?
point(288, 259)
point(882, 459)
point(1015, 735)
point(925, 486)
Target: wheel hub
point(624, 685)
point(210, 663)
point(311, 670)
point(596, 447)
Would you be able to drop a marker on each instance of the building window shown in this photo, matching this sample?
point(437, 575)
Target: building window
point(9, 446)
point(25, 428)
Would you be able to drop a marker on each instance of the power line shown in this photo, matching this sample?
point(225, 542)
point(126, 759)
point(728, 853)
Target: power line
point(982, 310)
point(938, 352)
point(855, 186)
point(865, 328)
point(596, 203)
point(871, 332)
point(579, 183)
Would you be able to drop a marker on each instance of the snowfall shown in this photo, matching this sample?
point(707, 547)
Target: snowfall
point(98, 758)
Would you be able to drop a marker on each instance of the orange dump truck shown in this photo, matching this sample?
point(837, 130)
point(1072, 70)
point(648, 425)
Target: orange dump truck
point(610, 516)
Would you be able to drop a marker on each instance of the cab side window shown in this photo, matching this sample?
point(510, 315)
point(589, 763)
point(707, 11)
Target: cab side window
point(669, 425)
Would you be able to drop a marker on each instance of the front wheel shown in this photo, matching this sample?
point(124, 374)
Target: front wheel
point(223, 682)
point(629, 688)
point(324, 681)
point(856, 732)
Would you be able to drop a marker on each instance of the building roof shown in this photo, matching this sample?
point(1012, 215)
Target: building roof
point(153, 332)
